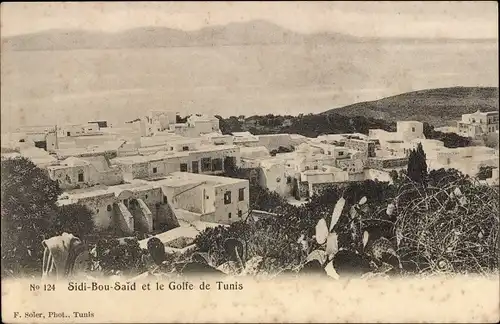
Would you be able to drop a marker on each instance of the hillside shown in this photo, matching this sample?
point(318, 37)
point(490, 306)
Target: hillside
point(435, 106)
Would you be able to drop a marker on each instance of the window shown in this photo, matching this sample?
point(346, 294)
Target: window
point(21, 141)
point(165, 199)
point(413, 129)
point(184, 167)
point(288, 180)
point(108, 208)
point(229, 215)
point(315, 167)
point(240, 213)
point(80, 177)
point(206, 164)
point(185, 148)
point(68, 134)
point(307, 168)
point(341, 153)
point(97, 210)
point(278, 179)
point(146, 196)
point(227, 198)
point(155, 170)
point(217, 165)
point(241, 194)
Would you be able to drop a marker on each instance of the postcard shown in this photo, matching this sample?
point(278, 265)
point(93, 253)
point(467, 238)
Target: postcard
point(250, 162)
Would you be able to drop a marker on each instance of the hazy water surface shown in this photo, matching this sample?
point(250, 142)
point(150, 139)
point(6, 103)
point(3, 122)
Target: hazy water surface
point(72, 86)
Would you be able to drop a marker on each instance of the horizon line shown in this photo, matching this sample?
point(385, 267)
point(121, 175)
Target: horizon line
point(115, 32)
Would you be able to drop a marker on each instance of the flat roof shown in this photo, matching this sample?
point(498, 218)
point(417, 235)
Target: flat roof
point(190, 230)
point(101, 190)
point(165, 155)
point(186, 176)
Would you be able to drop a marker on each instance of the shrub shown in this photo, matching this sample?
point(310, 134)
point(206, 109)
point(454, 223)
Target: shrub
point(453, 227)
point(30, 215)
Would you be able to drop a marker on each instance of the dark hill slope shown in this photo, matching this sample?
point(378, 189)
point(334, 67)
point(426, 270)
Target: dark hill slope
point(436, 106)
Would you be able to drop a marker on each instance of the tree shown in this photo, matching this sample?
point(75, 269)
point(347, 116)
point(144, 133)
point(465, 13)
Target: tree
point(417, 165)
point(30, 215)
point(28, 212)
point(485, 172)
point(450, 140)
point(75, 219)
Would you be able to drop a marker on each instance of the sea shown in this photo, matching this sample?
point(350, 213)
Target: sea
point(72, 86)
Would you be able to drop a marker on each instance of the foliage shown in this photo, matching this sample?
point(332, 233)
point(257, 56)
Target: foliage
point(75, 219)
point(420, 213)
point(181, 120)
point(452, 227)
point(450, 140)
point(229, 125)
point(30, 215)
point(417, 165)
point(485, 172)
point(276, 237)
point(119, 255)
point(442, 177)
point(308, 125)
point(282, 149)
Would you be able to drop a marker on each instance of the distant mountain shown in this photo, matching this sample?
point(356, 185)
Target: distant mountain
point(257, 32)
point(436, 106)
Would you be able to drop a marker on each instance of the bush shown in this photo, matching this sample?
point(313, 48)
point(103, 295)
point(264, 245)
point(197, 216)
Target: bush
point(453, 227)
point(119, 255)
point(30, 215)
point(435, 230)
point(485, 172)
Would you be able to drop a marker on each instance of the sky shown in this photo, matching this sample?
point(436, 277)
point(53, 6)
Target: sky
point(366, 19)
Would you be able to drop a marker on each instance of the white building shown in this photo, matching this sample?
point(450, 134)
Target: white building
point(252, 156)
point(206, 198)
point(410, 130)
point(78, 129)
point(218, 138)
point(205, 159)
point(478, 124)
point(203, 124)
point(275, 141)
point(310, 165)
point(275, 176)
point(73, 172)
point(245, 139)
point(38, 156)
point(125, 208)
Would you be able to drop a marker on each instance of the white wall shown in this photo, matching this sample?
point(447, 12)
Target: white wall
point(409, 130)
